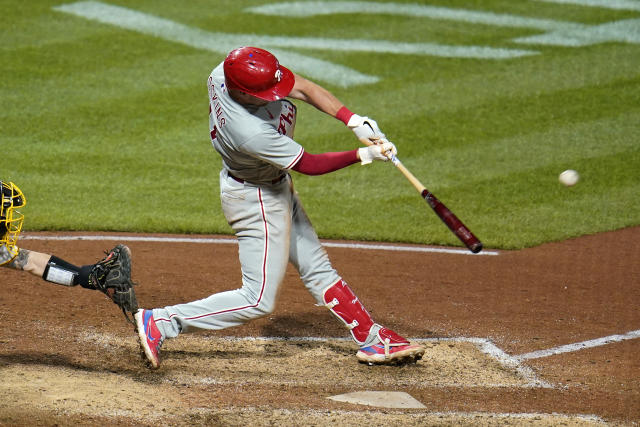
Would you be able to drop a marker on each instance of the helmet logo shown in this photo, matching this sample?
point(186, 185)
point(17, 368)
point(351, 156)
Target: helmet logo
point(278, 75)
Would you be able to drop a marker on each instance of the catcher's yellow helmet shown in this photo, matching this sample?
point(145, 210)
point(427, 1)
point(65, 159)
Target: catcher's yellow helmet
point(10, 219)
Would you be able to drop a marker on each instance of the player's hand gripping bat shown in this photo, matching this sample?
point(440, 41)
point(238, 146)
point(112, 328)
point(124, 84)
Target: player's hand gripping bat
point(455, 225)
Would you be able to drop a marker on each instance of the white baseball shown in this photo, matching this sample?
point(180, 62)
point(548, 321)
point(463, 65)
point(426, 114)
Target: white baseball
point(569, 177)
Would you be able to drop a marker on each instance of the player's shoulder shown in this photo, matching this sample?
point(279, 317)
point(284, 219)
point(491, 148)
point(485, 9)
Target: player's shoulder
point(218, 69)
point(243, 126)
point(217, 75)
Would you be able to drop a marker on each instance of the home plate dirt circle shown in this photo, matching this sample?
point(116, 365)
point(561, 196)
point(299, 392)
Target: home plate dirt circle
point(207, 365)
point(202, 359)
point(518, 338)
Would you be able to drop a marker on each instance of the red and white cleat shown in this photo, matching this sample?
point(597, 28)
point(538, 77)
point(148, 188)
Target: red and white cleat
point(149, 336)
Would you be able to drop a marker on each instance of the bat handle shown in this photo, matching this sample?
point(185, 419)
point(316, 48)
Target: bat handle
point(412, 179)
point(397, 163)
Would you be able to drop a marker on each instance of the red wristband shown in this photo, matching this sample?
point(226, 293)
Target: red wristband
point(344, 115)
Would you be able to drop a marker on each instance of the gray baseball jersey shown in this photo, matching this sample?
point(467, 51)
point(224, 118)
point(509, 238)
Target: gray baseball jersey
point(254, 142)
point(259, 203)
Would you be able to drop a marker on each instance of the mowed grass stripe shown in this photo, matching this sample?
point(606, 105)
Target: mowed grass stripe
point(535, 207)
point(532, 113)
point(116, 122)
point(93, 77)
point(554, 212)
point(562, 145)
point(441, 85)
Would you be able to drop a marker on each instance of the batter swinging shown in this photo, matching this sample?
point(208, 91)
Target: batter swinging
point(252, 128)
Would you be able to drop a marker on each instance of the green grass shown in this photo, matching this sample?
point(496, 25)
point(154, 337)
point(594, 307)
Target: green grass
point(106, 129)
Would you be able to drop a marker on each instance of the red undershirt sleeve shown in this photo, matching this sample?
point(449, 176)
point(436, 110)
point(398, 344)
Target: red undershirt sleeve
point(318, 164)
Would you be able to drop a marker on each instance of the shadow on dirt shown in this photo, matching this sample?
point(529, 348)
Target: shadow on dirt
point(46, 359)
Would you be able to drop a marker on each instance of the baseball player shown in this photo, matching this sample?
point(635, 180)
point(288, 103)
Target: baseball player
point(251, 125)
point(111, 275)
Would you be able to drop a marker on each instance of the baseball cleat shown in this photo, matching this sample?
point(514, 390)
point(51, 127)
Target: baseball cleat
point(391, 349)
point(149, 336)
point(399, 355)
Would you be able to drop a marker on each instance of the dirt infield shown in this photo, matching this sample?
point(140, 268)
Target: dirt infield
point(68, 357)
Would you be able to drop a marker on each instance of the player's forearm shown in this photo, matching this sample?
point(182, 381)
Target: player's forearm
point(314, 94)
point(31, 261)
point(318, 164)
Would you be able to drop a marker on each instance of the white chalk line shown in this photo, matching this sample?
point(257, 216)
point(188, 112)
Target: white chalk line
point(578, 346)
point(201, 240)
point(493, 351)
point(489, 348)
point(305, 9)
point(484, 345)
point(559, 33)
point(316, 68)
point(607, 4)
point(216, 42)
point(517, 415)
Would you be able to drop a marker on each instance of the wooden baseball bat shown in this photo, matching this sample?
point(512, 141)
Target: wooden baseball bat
point(449, 218)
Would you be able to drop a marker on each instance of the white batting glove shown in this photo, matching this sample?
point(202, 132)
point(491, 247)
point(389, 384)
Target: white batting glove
point(382, 152)
point(365, 128)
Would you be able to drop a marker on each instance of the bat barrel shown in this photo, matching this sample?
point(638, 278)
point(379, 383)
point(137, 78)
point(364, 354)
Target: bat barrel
point(451, 220)
point(455, 225)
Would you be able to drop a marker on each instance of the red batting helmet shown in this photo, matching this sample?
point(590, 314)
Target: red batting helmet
point(257, 72)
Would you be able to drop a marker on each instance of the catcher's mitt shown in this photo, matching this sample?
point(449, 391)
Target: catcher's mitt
point(112, 276)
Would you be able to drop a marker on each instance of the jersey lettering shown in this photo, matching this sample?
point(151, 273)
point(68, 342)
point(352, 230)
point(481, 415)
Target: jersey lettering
point(286, 119)
point(215, 101)
point(221, 120)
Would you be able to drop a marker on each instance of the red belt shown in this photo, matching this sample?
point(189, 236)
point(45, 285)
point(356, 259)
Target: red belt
point(241, 181)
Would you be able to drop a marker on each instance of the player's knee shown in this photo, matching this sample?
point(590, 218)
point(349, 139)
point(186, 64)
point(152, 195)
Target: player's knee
point(265, 308)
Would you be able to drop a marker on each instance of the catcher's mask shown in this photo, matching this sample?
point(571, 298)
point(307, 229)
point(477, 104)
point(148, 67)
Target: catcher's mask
point(10, 219)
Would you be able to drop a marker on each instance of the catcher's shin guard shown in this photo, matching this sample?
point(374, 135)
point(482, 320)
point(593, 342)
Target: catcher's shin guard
point(342, 302)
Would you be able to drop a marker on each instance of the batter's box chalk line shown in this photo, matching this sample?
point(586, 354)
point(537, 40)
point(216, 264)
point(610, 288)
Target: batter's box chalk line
point(484, 345)
point(493, 351)
point(569, 348)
